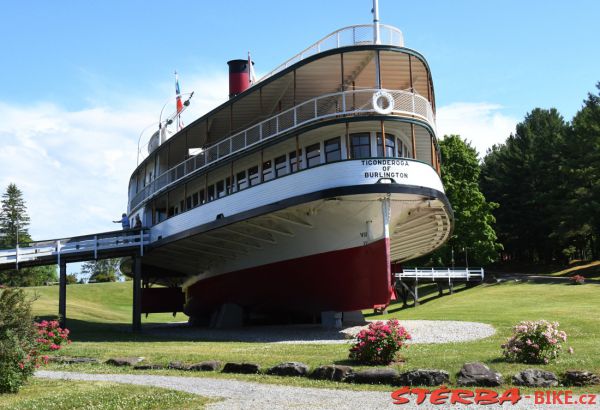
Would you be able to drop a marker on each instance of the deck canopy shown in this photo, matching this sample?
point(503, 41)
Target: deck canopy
point(350, 68)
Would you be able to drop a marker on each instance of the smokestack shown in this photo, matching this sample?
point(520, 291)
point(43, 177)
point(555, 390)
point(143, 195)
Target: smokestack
point(239, 77)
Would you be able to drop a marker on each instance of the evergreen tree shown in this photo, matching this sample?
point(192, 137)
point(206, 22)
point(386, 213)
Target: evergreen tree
point(580, 225)
point(524, 176)
point(14, 223)
point(14, 220)
point(473, 233)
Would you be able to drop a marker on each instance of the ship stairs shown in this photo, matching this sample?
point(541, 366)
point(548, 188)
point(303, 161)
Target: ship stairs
point(106, 245)
point(407, 282)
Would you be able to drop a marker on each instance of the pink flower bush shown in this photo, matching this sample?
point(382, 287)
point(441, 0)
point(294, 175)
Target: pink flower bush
point(379, 343)
point(534, 342)
point(51, 336)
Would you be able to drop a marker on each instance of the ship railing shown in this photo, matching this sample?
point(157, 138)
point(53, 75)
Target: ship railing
point(361, 34)
point(345, 103)
point(467, 274)
point(93, 246)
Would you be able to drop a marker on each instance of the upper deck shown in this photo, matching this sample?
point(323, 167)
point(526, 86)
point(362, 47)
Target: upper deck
point(336, 78)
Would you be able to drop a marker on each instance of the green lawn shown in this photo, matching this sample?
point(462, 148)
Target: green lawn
point(60, 394)
point(100, 315)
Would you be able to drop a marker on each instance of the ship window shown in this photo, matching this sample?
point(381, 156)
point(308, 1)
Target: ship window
point(242, 183)
point(280, 166)
point(195, 199)
point(253, 175)
point(361, 145)
point(294, 165)
point(333, 151)
point(228, 185)
point(188, 202)
point(211, 192)
point(202, 196)
point(267, 170)
point(220, 189)
point(390, 146)
point(402, 149)
point(313, 155)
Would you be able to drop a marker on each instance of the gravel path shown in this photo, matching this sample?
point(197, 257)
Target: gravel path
point(254, 396)
point(422, 331)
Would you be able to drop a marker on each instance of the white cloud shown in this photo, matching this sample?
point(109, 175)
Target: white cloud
point(482, 124)
point(74, 166)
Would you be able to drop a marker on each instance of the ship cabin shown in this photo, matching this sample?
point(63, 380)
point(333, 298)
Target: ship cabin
point(345, 98)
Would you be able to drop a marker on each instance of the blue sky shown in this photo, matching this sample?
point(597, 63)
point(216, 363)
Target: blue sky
point(80, 80)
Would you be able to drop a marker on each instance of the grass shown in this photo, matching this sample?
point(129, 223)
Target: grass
point(100, 315)
point(61, 394)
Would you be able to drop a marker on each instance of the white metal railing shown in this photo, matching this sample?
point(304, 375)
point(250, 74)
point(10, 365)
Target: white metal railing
point(361, 34)
point(441, 273)
point(317, 109)
point(71, 246)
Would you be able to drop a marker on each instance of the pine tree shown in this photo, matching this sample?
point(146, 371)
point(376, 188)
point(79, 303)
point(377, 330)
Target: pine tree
point(14, 220)
point(14, 223)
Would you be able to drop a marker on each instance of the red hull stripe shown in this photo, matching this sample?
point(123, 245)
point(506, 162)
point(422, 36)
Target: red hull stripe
point(343, 280)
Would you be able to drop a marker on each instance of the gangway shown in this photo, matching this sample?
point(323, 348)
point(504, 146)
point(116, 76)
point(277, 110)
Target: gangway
point(106, 245)
point(407, 281)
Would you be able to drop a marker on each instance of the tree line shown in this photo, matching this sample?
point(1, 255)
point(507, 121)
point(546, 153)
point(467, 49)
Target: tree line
point(546, 180)
point(533, 199)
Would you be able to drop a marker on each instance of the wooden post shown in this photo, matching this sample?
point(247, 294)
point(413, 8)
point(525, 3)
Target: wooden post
point(137, 294)
point(414, 140)
point(62, 294)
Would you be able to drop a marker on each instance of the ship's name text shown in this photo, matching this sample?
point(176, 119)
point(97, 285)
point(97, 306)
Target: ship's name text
point(386, 171)
point(384, 162)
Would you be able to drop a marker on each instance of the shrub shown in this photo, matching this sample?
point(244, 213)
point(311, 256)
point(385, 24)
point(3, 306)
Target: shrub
point(534, 342)
point(18, 356)
point(379, 343)
point(50, 335)
point(577, 280)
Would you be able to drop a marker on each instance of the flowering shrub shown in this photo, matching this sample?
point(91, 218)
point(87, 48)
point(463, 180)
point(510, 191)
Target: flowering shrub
point(379, 343)
point(18, 356)
point(534, 342)
point(577, 280)
point(51, 336)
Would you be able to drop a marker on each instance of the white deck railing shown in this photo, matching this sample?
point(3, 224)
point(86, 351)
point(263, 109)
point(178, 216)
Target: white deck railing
point(361, 34)
point(326, 106)
point(58, 248)
point(440, 273)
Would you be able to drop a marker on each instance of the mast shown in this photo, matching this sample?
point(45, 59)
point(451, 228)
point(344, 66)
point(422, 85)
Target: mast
point(375, 11)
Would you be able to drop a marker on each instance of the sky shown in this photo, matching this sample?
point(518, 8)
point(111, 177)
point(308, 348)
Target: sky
point(79, 81)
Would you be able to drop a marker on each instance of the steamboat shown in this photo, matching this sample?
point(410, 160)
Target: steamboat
point(303, 192)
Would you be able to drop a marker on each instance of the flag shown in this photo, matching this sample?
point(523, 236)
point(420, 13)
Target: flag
point(178, 94)
point(179, 103)
point(251, 74)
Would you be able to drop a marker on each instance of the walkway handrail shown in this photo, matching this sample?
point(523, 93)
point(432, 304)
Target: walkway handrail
point(25, 252)
point(360, 34)
point(344, 103)
point(442, 273)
